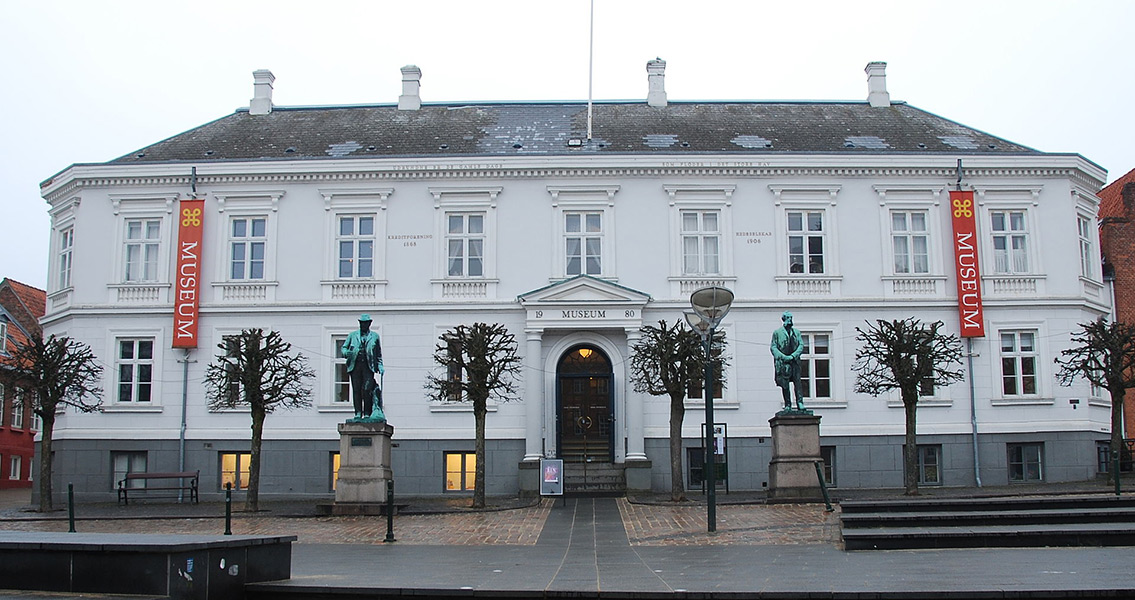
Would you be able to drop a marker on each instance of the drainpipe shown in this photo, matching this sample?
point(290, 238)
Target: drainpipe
point(973, 411)
point(184, 407)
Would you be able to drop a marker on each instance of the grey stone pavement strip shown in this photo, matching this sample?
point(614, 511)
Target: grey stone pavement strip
point(613, 546)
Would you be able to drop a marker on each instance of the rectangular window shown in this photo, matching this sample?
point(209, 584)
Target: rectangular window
point(910, 242)
point(827, 454)
point(930, 465)
point(1010, 241)
point(135, 367)
point(334, 470)
point(17, 410)
point(341, 382)
point(1088, 256)
point(246, 243)
point(16, 467)
point(234, 469)
point(701, 243)
point(3, 395)
point(453, 370)
point(583, 238)
point(142, 239)
point(3, 340)
point(696, 389)
point(1018, 363)
point(816, 366)
point(127, 462)
point(37, 421)
point(66, 243)
point(1026, 462)
point(356, 247)
point(465, 243)
point(806, 242)
point(460, 471)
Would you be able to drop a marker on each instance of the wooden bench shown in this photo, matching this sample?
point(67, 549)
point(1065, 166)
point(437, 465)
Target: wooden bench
point(180, 482)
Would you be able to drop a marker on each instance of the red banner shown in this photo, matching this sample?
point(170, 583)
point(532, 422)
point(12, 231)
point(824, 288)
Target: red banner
point(966, 264)
point(187, 280)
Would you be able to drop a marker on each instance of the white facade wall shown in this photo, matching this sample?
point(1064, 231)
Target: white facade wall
point(523, 200)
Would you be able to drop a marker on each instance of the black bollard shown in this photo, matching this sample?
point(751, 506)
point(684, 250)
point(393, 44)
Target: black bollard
point(1115, 461)
point(71, 507)
point(389, 512)
point(228, 508)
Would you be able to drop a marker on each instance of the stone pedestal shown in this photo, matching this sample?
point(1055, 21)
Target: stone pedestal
point(795, 450)
point(364, 468)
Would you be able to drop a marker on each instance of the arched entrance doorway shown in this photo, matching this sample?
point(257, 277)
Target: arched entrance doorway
point(584, 415)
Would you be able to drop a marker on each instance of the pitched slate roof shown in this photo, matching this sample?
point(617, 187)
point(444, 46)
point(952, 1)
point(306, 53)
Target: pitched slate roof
point(1111, 197)
point(539, 128)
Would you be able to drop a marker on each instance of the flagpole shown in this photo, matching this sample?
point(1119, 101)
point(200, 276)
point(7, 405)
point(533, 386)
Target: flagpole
point(590, 68)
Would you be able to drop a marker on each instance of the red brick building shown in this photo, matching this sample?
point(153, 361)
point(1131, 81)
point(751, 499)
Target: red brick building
point(1117, 241)
point(21, 307)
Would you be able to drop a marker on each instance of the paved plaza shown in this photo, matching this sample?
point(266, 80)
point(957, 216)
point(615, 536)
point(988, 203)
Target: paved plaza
point(612, 547)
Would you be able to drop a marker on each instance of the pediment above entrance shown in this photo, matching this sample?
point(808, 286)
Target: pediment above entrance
point(584, 302)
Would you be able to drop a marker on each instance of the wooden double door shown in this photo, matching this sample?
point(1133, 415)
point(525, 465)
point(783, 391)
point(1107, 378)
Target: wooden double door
point(585, 415)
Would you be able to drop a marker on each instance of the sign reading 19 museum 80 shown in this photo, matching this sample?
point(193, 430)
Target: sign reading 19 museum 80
point(607, 314)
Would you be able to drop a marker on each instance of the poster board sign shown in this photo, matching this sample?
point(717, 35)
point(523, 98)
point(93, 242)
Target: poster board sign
point(551, 477)
point(963, 212)
point(187, 280)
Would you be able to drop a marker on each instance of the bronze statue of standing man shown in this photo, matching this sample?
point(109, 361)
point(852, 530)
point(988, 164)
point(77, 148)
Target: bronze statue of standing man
point(786, 347)
point(363, 352)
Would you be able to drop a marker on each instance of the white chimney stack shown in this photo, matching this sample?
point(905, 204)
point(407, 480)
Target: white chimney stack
point(261, 103)
point(656, 82)
point(411, 84)
point(877, 95)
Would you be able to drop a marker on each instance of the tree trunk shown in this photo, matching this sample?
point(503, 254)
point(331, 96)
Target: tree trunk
point(1116, 446)
point(252, 498)
point(910, 451)
point(45, 460)
point(479, 413)
point(677, 415)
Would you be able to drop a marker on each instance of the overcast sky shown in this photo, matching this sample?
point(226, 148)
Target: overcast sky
point(88, 81)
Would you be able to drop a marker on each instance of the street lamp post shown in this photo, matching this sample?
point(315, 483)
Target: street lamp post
point(710, 306)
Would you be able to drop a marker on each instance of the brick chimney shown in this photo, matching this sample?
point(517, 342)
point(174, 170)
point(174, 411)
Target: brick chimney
point(877, 95)
point(411, 84)
point(656, 82)
point(261, 103)
point(1128, 196)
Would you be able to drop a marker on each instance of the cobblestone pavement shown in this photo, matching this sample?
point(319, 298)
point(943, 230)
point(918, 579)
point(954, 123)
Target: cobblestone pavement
point(752, 524)
point(646, 525)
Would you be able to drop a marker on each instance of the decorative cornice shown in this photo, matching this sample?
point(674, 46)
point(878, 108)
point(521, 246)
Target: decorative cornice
point(944, 173)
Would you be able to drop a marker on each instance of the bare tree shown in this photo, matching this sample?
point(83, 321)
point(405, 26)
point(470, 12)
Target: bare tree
point(669, 360)
point(257, 371)
point(480, 362)
point(1105, 356)
point(59, 372)
point(912, 357)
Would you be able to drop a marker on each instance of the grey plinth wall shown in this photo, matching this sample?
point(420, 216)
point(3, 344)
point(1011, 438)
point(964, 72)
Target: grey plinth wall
point(364, 465)
point(795, 450)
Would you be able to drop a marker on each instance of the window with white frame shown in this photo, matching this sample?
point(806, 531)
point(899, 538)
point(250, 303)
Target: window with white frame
point(16, 467)
point(806, 241)
point(3, 395)
point(816, 366)
point(247, 242)
point(340, 380)
point(235, 469)
point(37, 421)
point(1088, 256)
point(66, 246)
point(701, 242)
point(355, 239)
point(583, 243)
point(17, 410)
point(134, 364)
point(465, 244)
point(1026, 462)
point(1010, 241)
point(3, 337)
point(910, 242)
point(142, 240)
point(1019, 363)
point(123, 463)
point(930, 464)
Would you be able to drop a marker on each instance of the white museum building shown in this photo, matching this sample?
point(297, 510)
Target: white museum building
point(575, 224)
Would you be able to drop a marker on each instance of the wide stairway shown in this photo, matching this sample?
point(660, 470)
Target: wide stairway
point(594, 479)
point(1090, 520)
